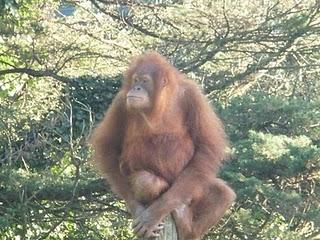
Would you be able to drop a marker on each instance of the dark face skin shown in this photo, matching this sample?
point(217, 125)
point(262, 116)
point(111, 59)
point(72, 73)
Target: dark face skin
point(140, 95)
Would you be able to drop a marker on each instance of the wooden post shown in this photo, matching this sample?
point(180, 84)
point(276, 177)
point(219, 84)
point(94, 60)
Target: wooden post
point(169, 231)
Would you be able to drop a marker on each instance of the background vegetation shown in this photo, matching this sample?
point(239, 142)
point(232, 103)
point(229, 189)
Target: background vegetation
point(61, 63)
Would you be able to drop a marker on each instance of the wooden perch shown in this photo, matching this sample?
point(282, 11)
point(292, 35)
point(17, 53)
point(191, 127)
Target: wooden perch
point(169, 231)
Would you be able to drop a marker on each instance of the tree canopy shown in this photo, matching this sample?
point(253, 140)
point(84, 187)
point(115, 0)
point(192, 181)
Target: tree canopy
point(61, 62)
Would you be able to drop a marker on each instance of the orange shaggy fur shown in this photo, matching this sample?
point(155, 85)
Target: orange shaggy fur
point(166, 158)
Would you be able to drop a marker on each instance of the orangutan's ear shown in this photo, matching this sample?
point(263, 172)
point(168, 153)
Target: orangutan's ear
point(164, 81)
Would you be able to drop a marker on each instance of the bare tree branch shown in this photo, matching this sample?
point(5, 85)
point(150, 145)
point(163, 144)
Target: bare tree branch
point(36, 73)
